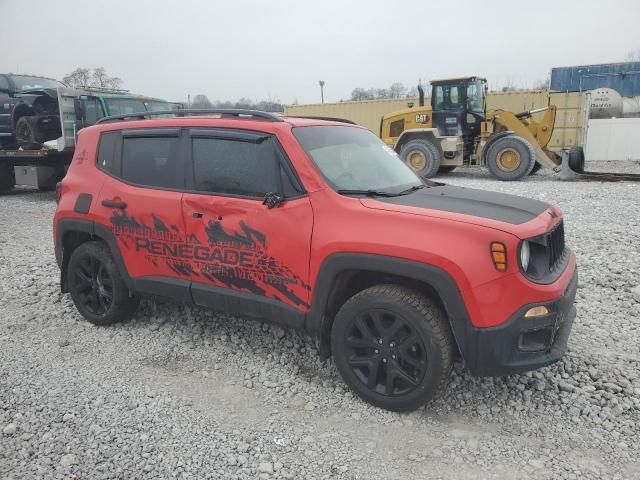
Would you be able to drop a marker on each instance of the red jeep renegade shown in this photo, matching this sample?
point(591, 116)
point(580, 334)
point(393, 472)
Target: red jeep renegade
point(316, 225)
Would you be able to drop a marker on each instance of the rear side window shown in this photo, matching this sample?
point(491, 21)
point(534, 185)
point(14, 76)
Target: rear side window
point(235, 167)
point(107, 158)
point(4, 83)
point(152, 161)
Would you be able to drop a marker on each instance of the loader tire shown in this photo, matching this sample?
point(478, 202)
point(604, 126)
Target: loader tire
point(510, 158)
point(422, 156)
point(576, 159)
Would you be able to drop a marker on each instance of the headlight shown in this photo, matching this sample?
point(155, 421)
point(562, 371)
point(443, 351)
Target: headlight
point(525, 255)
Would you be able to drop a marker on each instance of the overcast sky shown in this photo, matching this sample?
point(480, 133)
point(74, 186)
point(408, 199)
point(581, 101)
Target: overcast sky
point(280, 49)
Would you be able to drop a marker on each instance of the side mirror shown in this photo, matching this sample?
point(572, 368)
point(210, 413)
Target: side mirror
point(272, 200)
point(78, 106)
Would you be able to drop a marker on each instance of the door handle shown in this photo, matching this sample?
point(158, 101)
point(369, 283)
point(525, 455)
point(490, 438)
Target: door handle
point(114, 204)
point(197, 215)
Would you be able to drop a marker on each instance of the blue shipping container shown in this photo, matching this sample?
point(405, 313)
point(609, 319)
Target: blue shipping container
point(622, 77)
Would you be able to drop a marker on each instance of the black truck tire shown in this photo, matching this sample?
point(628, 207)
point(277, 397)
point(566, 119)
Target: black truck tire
point(576, 159)
point(393, 347)
point(28, 134)
point(96, 287)
point(510, 158)
point(422, 156)
point(7, 177)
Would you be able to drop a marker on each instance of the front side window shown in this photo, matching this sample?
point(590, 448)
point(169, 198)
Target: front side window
point(92, 109)
point(152, 161)
point(235, 167)
point(352, 158)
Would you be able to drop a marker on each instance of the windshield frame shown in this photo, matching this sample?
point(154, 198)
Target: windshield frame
point(391, 190)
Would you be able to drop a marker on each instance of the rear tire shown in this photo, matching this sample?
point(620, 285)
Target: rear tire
point(576, 159)
point(393, 347)
point(510, 158)
point(96, 287)
point(7, 177)
point(422, 156)
point(28, 134)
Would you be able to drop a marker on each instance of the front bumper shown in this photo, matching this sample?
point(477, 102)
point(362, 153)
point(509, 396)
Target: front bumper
point(522, 343)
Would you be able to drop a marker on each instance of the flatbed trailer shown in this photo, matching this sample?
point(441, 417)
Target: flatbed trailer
point(37, 168)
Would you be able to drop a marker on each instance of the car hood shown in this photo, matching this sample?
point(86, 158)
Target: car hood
point(467, 205)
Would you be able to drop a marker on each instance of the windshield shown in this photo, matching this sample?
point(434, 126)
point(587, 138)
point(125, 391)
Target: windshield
point(159, 106)
point(125, 106)
point(24, 82)
point(355, 159)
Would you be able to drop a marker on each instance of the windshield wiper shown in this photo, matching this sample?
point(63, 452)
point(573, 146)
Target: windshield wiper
point(411, 189)
point(370, 192)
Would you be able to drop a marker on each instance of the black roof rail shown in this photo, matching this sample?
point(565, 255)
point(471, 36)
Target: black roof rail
point(223, 112)
point(329, 119)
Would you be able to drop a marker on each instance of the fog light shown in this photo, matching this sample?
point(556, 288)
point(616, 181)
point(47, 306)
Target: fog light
point(537, 311)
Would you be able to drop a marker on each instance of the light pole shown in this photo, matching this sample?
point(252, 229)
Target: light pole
point(321, 82)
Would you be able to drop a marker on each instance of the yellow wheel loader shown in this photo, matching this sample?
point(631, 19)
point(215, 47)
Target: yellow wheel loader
point(457, 130)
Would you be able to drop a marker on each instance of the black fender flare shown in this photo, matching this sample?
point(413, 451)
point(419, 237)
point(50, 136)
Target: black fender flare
point(437, 278)
point(96, 231)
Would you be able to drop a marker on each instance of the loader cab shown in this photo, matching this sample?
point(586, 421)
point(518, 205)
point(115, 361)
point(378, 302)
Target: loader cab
point(458, 105)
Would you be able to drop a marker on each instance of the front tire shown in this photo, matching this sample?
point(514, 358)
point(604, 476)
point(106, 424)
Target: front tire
point(96, 287)
point(510, 158)
point(393, 347)
point(28, 134)
point(576, 159)
point(422, 156)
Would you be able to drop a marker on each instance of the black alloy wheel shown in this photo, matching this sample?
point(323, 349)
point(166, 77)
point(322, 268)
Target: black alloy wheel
point(393, 346)
point(97, 289)
point(94, 285)
point(385, 353)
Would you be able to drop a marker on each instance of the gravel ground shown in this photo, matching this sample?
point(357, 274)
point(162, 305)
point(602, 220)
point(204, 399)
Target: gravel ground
point(181, 392)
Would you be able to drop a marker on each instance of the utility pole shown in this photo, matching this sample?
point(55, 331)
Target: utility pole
point(188, 100)
point(321, 82)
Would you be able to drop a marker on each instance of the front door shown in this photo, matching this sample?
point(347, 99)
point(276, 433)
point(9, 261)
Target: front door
point(248, 258)
point(141, 201)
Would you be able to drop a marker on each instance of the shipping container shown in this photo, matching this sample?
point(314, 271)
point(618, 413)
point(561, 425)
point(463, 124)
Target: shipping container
point(622, 77)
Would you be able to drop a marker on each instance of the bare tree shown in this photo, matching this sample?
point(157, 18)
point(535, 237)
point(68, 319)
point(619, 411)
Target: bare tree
point(102, 80)
point(79, 77)
point(397, 90)
point(359, 94)
point(633, 56)
point(200, 101)
point(85, 77)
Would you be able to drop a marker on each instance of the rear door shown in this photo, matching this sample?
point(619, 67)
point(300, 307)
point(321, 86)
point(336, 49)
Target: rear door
point(141, 202)
point(248, 258)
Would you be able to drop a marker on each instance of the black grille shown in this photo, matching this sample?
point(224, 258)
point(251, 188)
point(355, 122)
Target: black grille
point(555, 243)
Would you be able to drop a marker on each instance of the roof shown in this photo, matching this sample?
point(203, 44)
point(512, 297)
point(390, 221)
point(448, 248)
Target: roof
point(457, 79)
point(262, 121)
